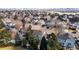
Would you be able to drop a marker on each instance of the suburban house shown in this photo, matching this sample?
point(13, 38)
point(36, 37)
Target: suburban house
point(66, 41)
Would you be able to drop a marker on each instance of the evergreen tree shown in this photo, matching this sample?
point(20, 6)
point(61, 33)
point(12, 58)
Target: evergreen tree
point(32, 40)
point(43, 45)
point(53, 43)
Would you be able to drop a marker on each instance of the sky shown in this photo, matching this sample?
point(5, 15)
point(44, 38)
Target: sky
point(39, 3)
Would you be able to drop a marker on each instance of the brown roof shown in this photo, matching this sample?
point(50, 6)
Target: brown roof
point(36, 27)
point(18, 24)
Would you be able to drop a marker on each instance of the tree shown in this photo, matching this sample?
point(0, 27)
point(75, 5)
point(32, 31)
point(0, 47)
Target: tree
point(33, 43)
point(24, 42)
point(5, 34)
point(53, 43)
point(43, 45)
point(32, 40)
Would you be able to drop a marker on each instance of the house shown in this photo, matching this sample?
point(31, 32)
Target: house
point(37, 31)
point(41, 22)
point(66, 41)
point(72, 26)
point(8, 23)
point(18, 24)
